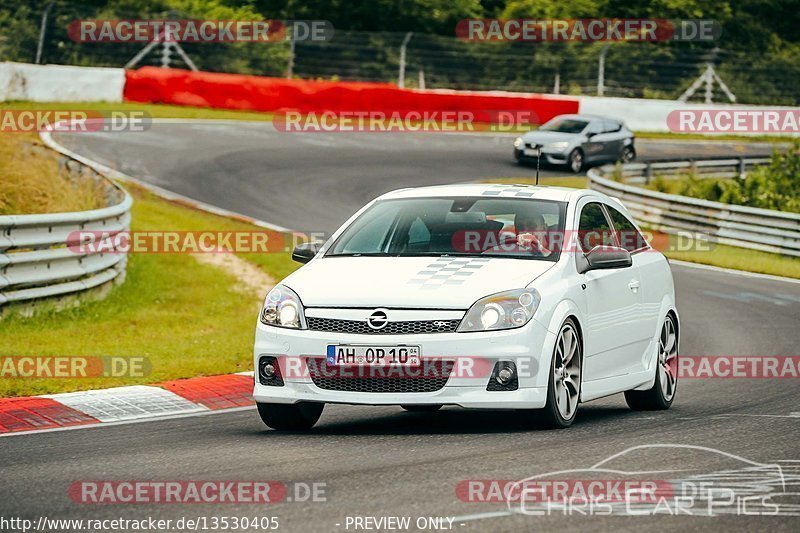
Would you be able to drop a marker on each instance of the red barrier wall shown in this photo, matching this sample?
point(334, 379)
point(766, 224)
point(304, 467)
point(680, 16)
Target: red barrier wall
point(235, 91)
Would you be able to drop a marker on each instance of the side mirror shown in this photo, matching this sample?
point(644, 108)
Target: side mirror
point(604, 257)
point(303, 253)
point(590, 134)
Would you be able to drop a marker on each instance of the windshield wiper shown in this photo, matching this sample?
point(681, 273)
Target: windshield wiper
point(360, 254)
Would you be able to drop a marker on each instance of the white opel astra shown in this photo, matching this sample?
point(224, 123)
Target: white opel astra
point(480, 296)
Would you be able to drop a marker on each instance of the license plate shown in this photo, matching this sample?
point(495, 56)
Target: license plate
point(378, 356)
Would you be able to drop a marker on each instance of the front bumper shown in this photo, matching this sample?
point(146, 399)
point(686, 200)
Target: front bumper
point(549, 158)
point(528, 347)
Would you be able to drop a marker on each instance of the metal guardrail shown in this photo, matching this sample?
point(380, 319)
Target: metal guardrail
point(736, 225)
point(36, 261)
point(717, 167)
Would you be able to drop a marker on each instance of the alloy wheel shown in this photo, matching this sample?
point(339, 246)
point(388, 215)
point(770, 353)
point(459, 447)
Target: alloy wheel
point(668, 359)
point(567, 371)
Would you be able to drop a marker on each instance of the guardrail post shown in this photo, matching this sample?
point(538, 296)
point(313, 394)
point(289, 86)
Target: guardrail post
point(741, 167)
point(648, 173)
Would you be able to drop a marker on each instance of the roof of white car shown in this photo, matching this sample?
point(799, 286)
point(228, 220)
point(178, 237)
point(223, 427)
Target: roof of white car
point(488, 190)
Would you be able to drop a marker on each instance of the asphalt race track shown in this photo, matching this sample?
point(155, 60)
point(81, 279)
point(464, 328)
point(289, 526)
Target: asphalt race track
point(315, 181)
point(382, 461)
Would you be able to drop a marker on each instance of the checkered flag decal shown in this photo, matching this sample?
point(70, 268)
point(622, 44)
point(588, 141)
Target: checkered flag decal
point(447, 271)
point(509, 191)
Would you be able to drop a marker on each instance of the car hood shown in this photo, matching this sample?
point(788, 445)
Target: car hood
point(547, 137)
point(412, 282)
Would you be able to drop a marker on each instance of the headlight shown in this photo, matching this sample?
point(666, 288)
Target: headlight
point(518, 142)
point(560, 145)
point(504, 310)
point(283, 308)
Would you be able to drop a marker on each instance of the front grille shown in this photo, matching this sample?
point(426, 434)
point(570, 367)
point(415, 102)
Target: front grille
point(406, 327)
point(365, 379)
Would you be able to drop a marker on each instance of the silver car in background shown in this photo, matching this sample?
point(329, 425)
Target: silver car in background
point(576, 141)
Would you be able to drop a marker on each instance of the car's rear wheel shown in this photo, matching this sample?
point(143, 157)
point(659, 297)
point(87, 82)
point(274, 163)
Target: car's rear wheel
point(290, 417)
point(628, 154)
point(662, 394)
point(575, 161)
point(421, 408)
point(564, 388)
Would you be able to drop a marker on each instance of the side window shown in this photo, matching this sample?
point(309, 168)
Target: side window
point(595, 126)
point(593, 228)
point(629, 237)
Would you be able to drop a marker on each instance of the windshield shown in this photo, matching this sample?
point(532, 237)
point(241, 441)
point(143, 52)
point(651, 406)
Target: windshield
point(565, 125)
point(465, 226)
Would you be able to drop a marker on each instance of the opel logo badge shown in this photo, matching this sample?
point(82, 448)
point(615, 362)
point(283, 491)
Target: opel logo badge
point(378, 319)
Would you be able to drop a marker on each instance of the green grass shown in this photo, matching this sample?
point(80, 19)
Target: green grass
point(187, 318)
point(743, 259)
point(722, 137)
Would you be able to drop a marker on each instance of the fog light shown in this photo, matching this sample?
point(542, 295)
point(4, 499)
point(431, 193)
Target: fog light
point(269, 373)
point(504, 376)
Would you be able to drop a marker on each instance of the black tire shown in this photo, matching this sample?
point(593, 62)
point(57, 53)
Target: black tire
point(290, 417)
point(550, 416)
point(628, 154)
point(575, 161)
point(655, 398)
point(421, 408)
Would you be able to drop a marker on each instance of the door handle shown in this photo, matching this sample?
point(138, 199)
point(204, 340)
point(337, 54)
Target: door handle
point(634, 285)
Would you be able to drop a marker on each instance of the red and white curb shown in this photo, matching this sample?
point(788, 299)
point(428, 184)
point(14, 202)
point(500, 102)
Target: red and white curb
point(116, 405)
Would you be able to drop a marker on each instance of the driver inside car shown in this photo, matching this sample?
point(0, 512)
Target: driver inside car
point(532, 232)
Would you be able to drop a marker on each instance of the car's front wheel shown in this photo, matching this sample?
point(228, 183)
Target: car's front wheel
point(290, 417)
point(661, 395)
point(575, 161)
point(628, 154)
point(564, 388)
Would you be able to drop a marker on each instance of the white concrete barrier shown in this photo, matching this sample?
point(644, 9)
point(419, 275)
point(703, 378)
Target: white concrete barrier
point(64, 83)
point(60, 83)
